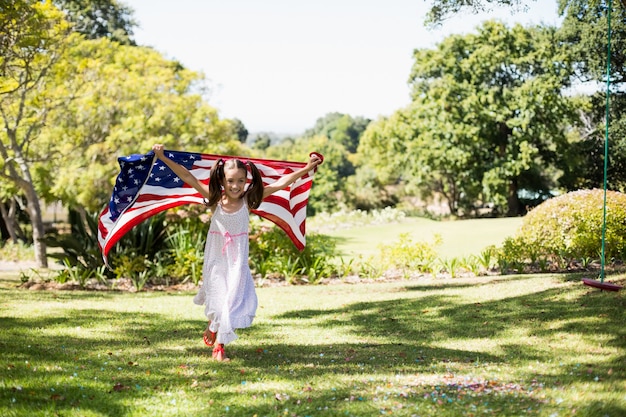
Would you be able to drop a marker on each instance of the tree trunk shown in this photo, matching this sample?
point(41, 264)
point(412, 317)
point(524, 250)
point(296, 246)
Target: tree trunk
point(11, 224)
point(36, 220)
point(7, 225)
point(513, 203)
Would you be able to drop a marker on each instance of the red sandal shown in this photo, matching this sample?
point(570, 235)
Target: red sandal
point(219, 354)
point(209, 337)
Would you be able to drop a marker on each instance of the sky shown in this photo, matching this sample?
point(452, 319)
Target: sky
point(279, 65)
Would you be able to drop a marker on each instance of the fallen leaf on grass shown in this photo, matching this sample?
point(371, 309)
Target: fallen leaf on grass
point(120, 387)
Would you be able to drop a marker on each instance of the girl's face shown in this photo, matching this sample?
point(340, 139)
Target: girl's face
point(234, 182)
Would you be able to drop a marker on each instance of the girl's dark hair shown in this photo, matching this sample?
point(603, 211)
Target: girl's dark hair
point(254, 194)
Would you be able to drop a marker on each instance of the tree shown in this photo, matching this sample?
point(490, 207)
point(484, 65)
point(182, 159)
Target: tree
point(340, 128)
point(135, 98)
point(584, 32)
point(442, 9)
point(100, 19)
point(72, 106)
point(487, 119)
point(35, 37)
point(262, 142)
point(240, 130)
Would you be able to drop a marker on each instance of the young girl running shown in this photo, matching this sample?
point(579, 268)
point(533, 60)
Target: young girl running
point(227, 290)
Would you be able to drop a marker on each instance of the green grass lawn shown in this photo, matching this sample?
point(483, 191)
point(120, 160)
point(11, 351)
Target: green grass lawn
point(459, 238)
point(542, 345)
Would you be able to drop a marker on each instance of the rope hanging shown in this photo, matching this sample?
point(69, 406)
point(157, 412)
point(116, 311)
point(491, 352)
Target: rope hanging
point(606, 139)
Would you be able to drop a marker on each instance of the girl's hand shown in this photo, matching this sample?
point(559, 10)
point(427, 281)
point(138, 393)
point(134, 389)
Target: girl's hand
point(158, 150)
point(314, 160)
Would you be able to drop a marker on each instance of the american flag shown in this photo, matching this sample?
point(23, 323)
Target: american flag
point(146, 186)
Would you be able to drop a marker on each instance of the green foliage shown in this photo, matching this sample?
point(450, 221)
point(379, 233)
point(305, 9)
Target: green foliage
point(132, 98)
point(134, 267)
point(569, 227)
point(487, 120)
point(408, 256)
point(137, 252)
point(584, 34)
point(364, 191)
point(340, 128)
point(187, 255)
point(74, 273)
point(79, 247)
point(239, 130)
point(440, 10)
point(186, 236)
point(100, 19)
point(272, 253)
point(451, 265)
point(71, 106)
point(15, 251)
point(486, 258)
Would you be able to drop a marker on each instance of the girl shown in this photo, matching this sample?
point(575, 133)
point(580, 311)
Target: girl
point(227, 290)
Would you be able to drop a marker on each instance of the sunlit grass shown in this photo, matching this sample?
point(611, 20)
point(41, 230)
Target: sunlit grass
point(459, 238)
point(540, 345)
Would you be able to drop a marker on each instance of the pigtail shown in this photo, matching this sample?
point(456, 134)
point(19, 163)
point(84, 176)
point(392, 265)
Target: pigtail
point(254, 195)
point(216, 177)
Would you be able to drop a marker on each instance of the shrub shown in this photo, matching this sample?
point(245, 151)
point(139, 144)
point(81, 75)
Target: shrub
point(570, 227)
point(273, 253)
point(16, 251)
point(408, 256)
point(186, 255)
point(80, 247)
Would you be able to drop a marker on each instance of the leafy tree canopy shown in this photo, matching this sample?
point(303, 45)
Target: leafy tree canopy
point(487, 118)
point(95, 19)
point(440, 10)
point(340, 128)
point(585, 35)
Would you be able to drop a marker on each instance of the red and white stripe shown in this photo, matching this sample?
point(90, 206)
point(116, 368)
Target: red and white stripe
point(286, 208)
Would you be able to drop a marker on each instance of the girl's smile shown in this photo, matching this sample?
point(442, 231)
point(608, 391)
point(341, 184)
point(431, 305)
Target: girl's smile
point(234, 182)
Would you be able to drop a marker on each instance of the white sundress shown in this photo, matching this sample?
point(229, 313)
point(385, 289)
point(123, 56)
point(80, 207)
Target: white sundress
point(227, 290)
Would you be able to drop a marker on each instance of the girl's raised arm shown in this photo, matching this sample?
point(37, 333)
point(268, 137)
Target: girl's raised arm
point(289, 179)
point(181, 171)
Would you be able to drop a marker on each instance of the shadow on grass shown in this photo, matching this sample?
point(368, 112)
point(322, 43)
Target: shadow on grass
point(544, 322)
point(103, 361)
